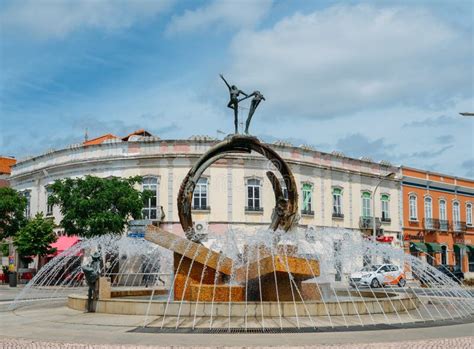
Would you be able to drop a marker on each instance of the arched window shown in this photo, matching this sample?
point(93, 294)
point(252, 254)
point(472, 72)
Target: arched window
point(253, 195)
point(49, 208)
point(428, 208)
point(27, 195)
point(469, 214)
point(385, 201)
point(443, 218)
point(413, 208)
point(456, 216)
point(307, 199)
point(200, 194)
point(366, 201)
point(150, 206)
point(337, 203)
point(429, 223)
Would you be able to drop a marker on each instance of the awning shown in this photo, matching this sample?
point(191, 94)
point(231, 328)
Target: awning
point(433, 247)
point(458, 247)
point(63, 243)
point(418, 247)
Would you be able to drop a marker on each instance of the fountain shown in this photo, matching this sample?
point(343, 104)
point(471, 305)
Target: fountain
point(278, 279)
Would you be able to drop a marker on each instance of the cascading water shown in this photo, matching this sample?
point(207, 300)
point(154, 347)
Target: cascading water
point(255, 293)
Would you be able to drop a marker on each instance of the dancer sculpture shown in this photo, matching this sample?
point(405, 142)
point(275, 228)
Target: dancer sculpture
point(234, 101)
point(257, 98)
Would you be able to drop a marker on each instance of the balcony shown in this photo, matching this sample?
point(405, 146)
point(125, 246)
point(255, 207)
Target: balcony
point(367, 223)
point(430, 224)
point(459, 227)
point(443, 225)
point(338, 215)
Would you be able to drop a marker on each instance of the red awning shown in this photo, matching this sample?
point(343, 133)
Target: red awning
point(63, 243)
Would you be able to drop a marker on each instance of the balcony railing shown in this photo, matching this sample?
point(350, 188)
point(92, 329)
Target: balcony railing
point(337, 215)
point(367, 222)
point(430, 224)
point(386, 219)
point(443, 225)
point(459, 227)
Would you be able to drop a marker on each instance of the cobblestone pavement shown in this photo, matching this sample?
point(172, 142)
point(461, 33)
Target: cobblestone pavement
point(453, 343)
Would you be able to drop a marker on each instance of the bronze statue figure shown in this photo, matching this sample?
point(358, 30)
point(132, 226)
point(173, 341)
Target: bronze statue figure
point(257, 98)
point(91, 274)
point(234, 101)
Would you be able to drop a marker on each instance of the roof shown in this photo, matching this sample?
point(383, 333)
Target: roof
point(140, 132)
point(6, 163)
point(100, 140)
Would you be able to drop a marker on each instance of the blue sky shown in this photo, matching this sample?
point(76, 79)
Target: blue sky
point(382, 79)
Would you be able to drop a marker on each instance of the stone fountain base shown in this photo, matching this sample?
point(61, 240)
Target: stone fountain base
point(394, 303)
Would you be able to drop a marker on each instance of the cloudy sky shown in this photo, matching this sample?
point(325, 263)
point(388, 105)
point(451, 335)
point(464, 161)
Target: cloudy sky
point(382, 79)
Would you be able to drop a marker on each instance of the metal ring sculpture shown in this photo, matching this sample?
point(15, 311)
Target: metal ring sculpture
point(285, 213)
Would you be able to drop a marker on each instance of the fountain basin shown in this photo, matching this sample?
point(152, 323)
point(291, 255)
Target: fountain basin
point(395, 303)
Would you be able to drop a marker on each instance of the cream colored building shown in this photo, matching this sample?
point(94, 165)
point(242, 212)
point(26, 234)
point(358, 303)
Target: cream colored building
point(334, 190)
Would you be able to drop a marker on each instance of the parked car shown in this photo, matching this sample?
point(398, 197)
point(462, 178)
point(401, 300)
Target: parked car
point(453, 271)
point(378, 276)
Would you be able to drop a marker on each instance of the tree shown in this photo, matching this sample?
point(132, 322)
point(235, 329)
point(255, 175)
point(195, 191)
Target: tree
point(36, 237)
point(12, 212)
point(94, 206)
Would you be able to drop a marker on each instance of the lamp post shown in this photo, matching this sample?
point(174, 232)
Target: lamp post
point(373, 203)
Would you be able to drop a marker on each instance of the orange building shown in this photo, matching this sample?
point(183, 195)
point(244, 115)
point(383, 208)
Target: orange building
point(6, 162)
point(438, 218)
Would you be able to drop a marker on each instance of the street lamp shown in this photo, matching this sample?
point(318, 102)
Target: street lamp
point(373, 203)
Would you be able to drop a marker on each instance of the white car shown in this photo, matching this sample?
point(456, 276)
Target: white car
point(378, 275)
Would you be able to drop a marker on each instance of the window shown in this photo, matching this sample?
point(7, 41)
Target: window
point(469, 214)
point(253, 195)
point(413, 208)
point(49, 208)
point(27, 195)
point(201, 194)
point(385, 200)
point(429, 223)
point(443, 219)
point(456, 216)
point(307, 198)
point(366, 200)
point(337, 202)
point(150, 206)
point(428, 208)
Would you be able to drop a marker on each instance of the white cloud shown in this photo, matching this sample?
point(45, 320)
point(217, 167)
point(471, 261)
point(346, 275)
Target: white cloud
point(58, 18)
point(347, 59)
point(232, 14)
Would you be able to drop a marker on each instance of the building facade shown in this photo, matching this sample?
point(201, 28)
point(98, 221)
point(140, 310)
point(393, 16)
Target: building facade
point(334, 190)
point(438, 218)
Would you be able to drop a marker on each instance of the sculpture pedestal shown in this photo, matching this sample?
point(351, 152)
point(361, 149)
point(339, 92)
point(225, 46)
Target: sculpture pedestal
point(203, 275)
point(105, 289)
